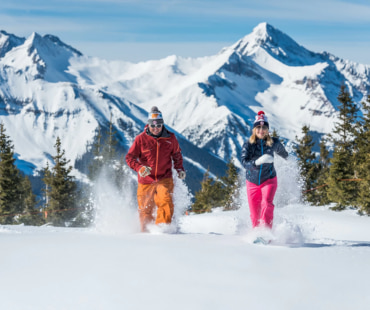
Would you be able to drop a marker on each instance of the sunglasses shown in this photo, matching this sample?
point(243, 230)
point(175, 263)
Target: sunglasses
point(156, 126)
point(262, 127)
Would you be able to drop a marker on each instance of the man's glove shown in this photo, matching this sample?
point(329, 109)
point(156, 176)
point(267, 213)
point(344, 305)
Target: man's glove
point(181, 174)
point(144, 171)
point(264, 159)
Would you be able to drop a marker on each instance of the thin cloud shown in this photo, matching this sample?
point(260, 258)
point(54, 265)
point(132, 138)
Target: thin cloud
point(314, 10)
point(182, 21)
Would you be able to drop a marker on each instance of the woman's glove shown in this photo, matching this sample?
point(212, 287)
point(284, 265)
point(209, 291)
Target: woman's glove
point(144, 171)
point(264, 159)
point(181, 174)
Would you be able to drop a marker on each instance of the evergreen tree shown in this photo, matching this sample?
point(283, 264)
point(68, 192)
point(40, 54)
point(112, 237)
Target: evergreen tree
point(105, 163)
point(322, 190)
point(97, 162)
point(362, 160)
point(105, 157)
point(61, 189)
point(211, 195)
point(30, 215)
point(104, 151)
point(109, 147)
point(216, 193)
point(97, 147)
point(120, 174)
point(232, 187)
point(308, 165)
point(10, 181)
point(340, 190)
point(275, 134)
point(47, 179)
point(85, 215)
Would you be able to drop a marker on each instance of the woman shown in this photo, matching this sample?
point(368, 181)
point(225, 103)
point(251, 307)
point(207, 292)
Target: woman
point(258, 160)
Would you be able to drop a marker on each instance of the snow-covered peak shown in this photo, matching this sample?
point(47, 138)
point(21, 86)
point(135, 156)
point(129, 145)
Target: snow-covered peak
point(264, 31)
point(51, 44)
point(44, 57)
point(277, 44)
point(8, 41)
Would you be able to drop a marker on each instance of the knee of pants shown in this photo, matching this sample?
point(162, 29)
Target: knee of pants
point(145, 195)
point(164, 202)
point(164, 193)
point(146, 210)
point(146, 204)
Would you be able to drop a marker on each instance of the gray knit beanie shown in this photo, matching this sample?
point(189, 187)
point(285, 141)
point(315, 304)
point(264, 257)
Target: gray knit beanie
point(155, 116)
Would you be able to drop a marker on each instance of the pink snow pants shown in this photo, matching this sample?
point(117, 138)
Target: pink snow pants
point(260, 199)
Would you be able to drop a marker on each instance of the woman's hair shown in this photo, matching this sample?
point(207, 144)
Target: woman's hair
point(253, 138)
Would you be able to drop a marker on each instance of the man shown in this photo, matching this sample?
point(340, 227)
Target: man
point(151, 156)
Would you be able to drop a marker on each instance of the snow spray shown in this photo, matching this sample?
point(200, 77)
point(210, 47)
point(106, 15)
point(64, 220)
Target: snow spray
point(182, 202)
point(288, 202)
point(115, 207)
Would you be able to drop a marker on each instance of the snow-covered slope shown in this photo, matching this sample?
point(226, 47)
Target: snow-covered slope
point(49, 89)
point(41, 98)
point(212, 100)
point(210, 263)
point(8, 41)
point(208, 266)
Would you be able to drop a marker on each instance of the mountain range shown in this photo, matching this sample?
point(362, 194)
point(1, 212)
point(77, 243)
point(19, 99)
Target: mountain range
point(50, 89)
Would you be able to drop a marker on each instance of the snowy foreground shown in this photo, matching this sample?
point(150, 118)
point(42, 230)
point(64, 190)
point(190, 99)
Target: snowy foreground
point(319, 259)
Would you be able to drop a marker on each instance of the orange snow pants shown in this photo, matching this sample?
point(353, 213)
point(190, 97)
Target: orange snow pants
point(153, 195)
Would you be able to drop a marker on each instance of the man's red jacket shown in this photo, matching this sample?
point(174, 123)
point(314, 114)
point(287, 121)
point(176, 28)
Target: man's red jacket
point(156, 153)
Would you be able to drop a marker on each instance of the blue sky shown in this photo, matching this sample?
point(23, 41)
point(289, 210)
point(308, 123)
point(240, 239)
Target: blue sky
point(136, 30)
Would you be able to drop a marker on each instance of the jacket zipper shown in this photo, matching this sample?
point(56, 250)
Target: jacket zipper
point(259, 177)
point(156, 163)
point(157, 157)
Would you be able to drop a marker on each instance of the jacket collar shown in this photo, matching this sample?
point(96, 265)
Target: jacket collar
point(260, 141)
